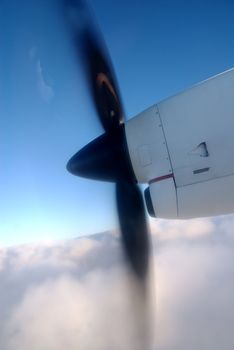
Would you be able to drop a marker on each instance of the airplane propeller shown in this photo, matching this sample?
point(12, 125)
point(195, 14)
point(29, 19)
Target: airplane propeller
point(106, 158)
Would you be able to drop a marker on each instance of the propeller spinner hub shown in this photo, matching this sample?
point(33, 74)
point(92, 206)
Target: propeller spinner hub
point(105, 158)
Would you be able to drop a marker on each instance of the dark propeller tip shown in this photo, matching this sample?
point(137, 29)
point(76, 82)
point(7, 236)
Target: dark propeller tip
point(90, 47)
point(102, 82)
point(134, 228)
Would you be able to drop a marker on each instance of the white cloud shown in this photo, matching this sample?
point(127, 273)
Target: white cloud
point(48, 254)
point(194, 295)
point(44, 87)
point(187, 229)
point(76, 294)
point(68, 314)
point(2, 258)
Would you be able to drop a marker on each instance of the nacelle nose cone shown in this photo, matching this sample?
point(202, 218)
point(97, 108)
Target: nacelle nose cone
point(91, 160)
point(74, 165)
point(98, 160)
point(105, 158)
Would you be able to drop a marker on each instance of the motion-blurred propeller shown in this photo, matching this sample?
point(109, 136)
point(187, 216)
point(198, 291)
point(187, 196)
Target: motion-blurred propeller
point(106, 158)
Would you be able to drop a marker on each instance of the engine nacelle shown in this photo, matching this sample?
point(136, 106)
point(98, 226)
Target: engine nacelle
point(183, 148)
point(161, 199)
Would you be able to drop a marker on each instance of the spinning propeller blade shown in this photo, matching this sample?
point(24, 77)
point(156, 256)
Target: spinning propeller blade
point(106, 158)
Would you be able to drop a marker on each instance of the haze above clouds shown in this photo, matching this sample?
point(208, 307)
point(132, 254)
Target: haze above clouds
point(75, 294)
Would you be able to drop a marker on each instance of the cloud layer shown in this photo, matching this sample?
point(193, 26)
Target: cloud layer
point(46, 90)
point(77, 295)
point(44, 87)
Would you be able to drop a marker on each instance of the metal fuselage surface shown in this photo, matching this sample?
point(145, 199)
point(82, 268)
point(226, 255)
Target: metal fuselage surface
point(183, 147)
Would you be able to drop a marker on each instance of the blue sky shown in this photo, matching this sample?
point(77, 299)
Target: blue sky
point(158, 48)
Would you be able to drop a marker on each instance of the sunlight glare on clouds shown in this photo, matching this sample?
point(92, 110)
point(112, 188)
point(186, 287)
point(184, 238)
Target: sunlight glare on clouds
point(174, 229)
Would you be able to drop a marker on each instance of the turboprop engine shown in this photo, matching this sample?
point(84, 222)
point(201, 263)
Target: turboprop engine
point(183, 148)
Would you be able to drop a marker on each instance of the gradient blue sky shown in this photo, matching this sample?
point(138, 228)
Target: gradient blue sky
point(158, 48)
